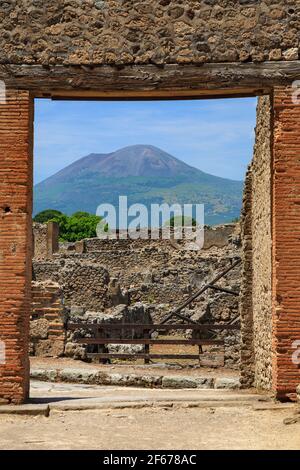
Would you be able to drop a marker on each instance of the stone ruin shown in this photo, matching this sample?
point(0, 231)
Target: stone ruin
point(130, 281)
point(94, 49)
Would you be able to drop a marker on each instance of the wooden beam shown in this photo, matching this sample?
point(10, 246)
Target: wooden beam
point(159, 327)
point(150, 341)
point(142, 356)
point(150, 81)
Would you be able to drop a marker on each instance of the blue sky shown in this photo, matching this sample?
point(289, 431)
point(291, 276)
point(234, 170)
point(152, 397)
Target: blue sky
point(216, 136)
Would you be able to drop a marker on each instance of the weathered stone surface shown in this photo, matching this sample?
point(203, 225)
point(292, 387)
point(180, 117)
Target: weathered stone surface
point(115, 294)
point(28, 409)
point(256, 300)
point(94, 376)
point(153, 275)
point(83, 282)
point(187, 382)
point(39, 329)
point(114, 32)
point(78, 375)
point(225, 382)
point(48, 375)
point(49, 348)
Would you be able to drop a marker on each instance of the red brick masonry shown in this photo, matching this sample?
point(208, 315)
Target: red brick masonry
point(15, 242)
point(286, 240)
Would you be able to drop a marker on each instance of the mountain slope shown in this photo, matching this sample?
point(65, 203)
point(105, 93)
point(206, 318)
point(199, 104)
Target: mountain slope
point(146, 174)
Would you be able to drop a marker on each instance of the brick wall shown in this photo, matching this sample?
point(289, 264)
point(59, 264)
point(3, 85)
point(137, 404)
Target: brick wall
point(47, 333)
point(15, 242)
point(286, 240)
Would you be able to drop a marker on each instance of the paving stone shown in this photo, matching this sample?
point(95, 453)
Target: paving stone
point(226, 382)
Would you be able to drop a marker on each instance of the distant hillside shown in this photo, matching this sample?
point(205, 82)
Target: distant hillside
point(146, 174)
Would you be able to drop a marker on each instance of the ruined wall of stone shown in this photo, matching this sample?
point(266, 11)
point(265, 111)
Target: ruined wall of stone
point(124, 32)
point(45, 240)
point(246, 300)
point(82, 283)
point(262, 247)
point(47, 332)
point(40, 247)
point(154, 273)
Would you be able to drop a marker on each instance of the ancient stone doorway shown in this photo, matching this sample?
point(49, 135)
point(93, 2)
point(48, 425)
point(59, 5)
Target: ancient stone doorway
point(271, 356)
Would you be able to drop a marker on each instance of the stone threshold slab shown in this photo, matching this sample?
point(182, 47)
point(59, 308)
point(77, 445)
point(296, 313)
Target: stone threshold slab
point(96, 377)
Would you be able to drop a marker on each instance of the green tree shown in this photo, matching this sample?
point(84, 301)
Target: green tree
point(80, 214)
point(77, 226)
point(46, 215)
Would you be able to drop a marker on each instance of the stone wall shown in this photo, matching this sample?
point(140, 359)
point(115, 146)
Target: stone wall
point(151, 271)
point(157, 274)
point(246, 297)
point(262, 247)
point(82, 283)
point(45, 240)
point(47, 331)
point(256, 298)
point(40, 250)
point(120, 32)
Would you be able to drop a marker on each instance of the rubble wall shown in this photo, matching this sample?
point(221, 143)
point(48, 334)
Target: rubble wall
point(256, 292)
point(120, 32)
point(262, 247)
point(155, 273)
point(82, 283)
point(246, 296)
point(40, 245)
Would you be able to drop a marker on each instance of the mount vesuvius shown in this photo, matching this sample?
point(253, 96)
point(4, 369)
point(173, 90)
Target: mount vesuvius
point(146, 174)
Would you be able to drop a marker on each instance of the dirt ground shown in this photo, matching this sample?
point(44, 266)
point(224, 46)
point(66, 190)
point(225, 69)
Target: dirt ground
point(129, 429)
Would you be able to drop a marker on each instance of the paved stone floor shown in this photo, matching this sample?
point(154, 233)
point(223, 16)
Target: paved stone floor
point(93, 417)
point(79, 396)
